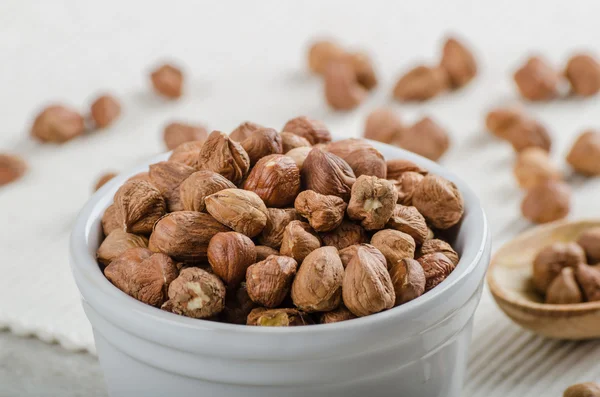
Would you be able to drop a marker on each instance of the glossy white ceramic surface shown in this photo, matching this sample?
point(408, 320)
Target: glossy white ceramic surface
point(418, 349)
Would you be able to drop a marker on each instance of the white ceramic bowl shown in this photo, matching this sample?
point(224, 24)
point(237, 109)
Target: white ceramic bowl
point(419, 349)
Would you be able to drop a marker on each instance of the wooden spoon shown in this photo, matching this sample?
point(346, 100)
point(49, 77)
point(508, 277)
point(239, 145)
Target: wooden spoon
point(509, 279)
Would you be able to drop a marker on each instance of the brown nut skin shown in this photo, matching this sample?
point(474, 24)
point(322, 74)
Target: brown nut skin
point(397, 167)
point(498, 121)
point(299, 154)
point(437, 267)
point(549, 262)
point(299, 240)
point(263, 252)
point(372, 202)
point(291, 141)
point(57, 124)
point(143, 275)
point(324, 213)
point(363, 69)
point(110, 220)
point(347, 234)
point(167, 80)
point(105, 110)
point(229, 255)
point(405, 186)
point(244, 131)
point(528, 133)
point(224, 156)
point(439, 200)
point(184, 236)
point(410, 221)
point(547, 202)
point(277, 220)
point(458, 62)
point(436, 245)
point(589, 240)
point(367, 287)
point(237, 306)
point(327, 174)
point(103, 180)
point(199, 185)
point(536, 80)
point(167, 176)
point(187, 153)
point(588, 278)
point(394, 245)
point(277, 318)
point(348, 253)
point(408, 279)
point(138, 206)
point(335, 316)
point(318, 284)
point(321, 53)
point(564, 289)
point(176, 134)
point(383, 125)
point(583, 72)
point(12, 168)
point(313, 131)
point(275, 179)
point(584, 155)
point(118, 242)
point(342, 90)
point(196, 293)
point(421, 83)
point(261, 143)
point(426, 138)
point(588, 389)
point(361, 156)
point(268, 282)
point(241, 210)
point(533, 166)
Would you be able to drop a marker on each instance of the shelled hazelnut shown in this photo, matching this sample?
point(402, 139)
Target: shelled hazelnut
point(105, 110)
point(584, 155)
point(421, 83)
point(426, 138)
point(176, 134)
point(12, 168)
point(547, 202)
point(583, 72)
point(458, 62)
point(536, 80)
point(588, 389)
point(57, 124)
point(167, 80)
point(104, 178)
point(533, 166)
point(383, 125)
point(342, 89)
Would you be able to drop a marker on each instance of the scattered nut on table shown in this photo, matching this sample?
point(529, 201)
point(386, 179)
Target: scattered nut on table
point(167, 80)
point(588, 389)
point(534, 166)
point(342, 89)
point(105, 110)
point(57, 124)
point(383, 125)
point(177, 133)
point(426, 138)
point(583, 73)
point(12, 168)
point(536, 80)
point(421, 83)
point(547, 202)
point(459, 63)
point(584, 155)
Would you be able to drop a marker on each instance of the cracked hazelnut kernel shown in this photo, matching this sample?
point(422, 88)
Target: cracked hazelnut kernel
point(277, 220)
point(105, 110)
point(187, 153)
point(277, 318)
point(588, 389)
point(167, 176)
point(383, 125)
point(313, 131)
point(318, 285)
point(421, 83)
point(291, 141)
point(57, 124)
point(348, 253)
point(437, 267)
point(176, 134)
point(197, 293)
point(345, 235)
point(261, 143)
point(498, 121)
point(410, 221)
point(237, 306)
point(104, 178)
point(229, 255)
point(363, 69)
point(268, 282)
point(143, 275)
point(12, 168)
point(110, 220)
point(549, 262)
point(342, 90)
point(184, 235)
point(118, 242)
point(263, 252)
point(299, 154)
point(434, 245)
point(589, 240)
point(167, 81)
point(275, 179)
point(224, 156)
point(367, 287)
point(394, 245)
point(321, 53)
point(405, 186)
point(564, 289)
point(583, 72)
point(458, 62)
point(425, 138)
point(335, 316)
point(327, 174)
point(588, 278)
point(536, 80)
point(199, 185)
point(396, 167)
point(361, 156)
point(528, 133)
point(299, 240)
point(533, 166)
point(408, 279)
point(439, 200)
point(547, 202)
point(241, 210)
point(324, 213)
point(139, 205)
point(584, 155)
point(244, 131)
point(372, 201)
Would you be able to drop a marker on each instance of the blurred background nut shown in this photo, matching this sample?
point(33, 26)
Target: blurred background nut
point(229, 255)
point(436, 245)
point(224, 156)
point(498, 121)
point(439, 201)
point(263, 252)
point(199, 185)
point(335, 316)
point(105, 110)
point(138, 206)
point(426, 138)
point(372, 201)
point(408, 279)
point(547, 202)
point(583, 72)
point(533, 166)
point(12, 168)
point(361, 156)
point(275, 179)
point(409, 220)
point(394, 245)
point(421, 83)
point(345, 235)
point(57, 124)
point(584, 155)
point(383, 125)
point(564, 289)
point(291, 141)
point(268, 282)
point(588, 389)
point(589, 240)
point(458, 62)
point(277, 220)
point(278, 318)
point(167, 176)
point(436, 267)
point(405, 186)
point(118, 242)
point(313, 131)
point(321, 53)
point(167, 80)
point(549, 262)
point(342, 90)
point(187, 153)
point(537, 80)
point(241, 210)
point(588, 278)
point(528, 133)
point(177, 133)
point(327, 174)
point(299, 240)
point(244, 131)
point(396, 167)
point(324, 213)
point(299, 154)
point(363, 69)
point(261, 143)
point(196, 293)
point(103, 180)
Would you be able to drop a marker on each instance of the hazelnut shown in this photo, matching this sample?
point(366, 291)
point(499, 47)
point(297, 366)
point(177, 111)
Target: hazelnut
point(394, 245)
point(187, 153)
point(313, 131)
point(324, 213)
point(268, 282)
point(405, 186)
point(105, 110)
point(118, 242)
point(383, 125)
point(436, 267)
point(342, 90)
point(318, 284)
point(237, 306)
point(372, 201)
point(244, 131)
point(533, 166)
point(528, 133)
point(547, 202)
point(410, 221)
point(549, 262)
point(197, 293)
point(348, 253)
point(583, 72)
point(229, 255)
point(141, 176)
point(588, 278)
point(321, 53)
point(434, 245)
point(275, 179)
point(277, 318)
point(261, 143)
point(241, 210)
point(408, 279)
point(396, 167)
point(142, 275)
point(584, 156)
point(367, 287)
point(12, 168)
point(421, 83)
point(110, 221)
point(263, 252)
point(536, 80)
point(167, 176)
point(224, 156)
point(425, 138)
point(361, 156)
point(439, 200)
point(167, 81)
point(588, 389)
point(176, 134)
point(564, 289)
point(299, 240)
point(291, 141)
point(57, 124)
point(277, 220)
point(138, 206)
point(363, 69)
point(458, 62)
point(335, 316)
point(299, 154)
point(103, 180)
point(327, 174)
point(184, 235)
point(199, 185)
point(589, 240)
point(347, 234)
point(499, 121)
